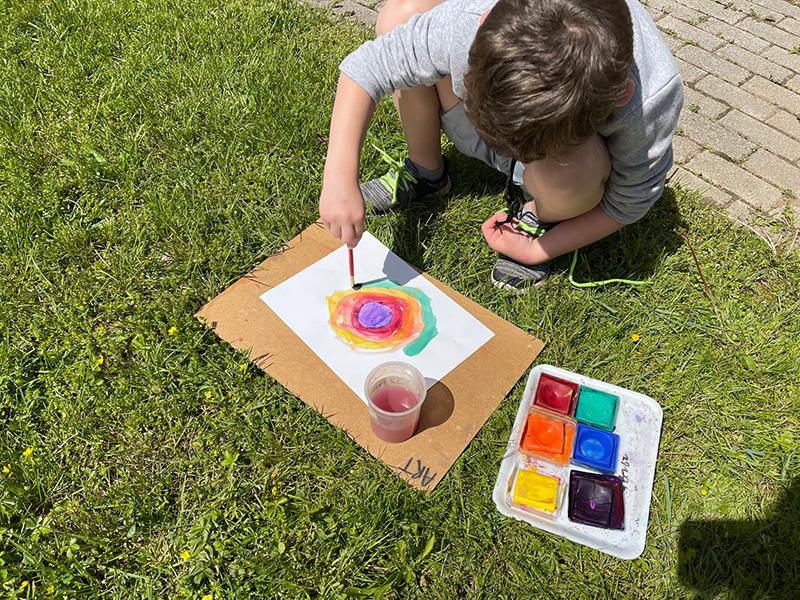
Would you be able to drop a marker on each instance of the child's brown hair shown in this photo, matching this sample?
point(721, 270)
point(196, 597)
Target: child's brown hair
point(544, 75)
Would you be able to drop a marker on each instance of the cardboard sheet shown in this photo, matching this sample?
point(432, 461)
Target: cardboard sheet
point(455, 408)
point(301, 302)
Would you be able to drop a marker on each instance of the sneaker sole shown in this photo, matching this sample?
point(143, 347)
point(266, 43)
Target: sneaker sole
point(445, 190)
point(502, 285)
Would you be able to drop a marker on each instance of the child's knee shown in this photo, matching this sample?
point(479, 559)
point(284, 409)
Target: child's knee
point(447, 97)
point(397, 12)
point(571, 185)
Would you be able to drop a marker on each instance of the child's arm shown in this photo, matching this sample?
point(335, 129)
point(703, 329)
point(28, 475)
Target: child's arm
point(415, 53)
point(565, 237)
point(341, 205)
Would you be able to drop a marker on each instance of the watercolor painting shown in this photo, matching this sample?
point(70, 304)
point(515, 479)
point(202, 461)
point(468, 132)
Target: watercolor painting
point(383, 317)
point(396, 314)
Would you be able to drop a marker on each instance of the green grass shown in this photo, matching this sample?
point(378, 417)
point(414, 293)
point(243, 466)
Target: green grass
point(153, 152)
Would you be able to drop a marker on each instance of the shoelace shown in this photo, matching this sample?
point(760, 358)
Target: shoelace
point(397, 176)
point(513, 204)
point(598, 283)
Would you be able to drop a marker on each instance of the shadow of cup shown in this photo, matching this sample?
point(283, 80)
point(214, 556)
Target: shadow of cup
point(437, 408)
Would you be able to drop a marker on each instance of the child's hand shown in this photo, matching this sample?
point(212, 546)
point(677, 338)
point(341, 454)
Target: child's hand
point(341, 208)
point(507, 239)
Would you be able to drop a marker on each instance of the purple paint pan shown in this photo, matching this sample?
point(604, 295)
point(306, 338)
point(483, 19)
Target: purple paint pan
point(596, 500)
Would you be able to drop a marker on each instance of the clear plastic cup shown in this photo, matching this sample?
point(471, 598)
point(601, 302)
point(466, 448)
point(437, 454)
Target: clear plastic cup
point(395, 392)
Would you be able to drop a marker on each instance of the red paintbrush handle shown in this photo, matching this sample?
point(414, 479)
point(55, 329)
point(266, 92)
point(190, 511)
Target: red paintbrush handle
point(352, 269)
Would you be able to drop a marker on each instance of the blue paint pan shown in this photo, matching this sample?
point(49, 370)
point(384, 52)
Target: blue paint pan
point(595, 448)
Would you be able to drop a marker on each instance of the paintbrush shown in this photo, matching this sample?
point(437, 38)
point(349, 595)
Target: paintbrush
point(353, 283)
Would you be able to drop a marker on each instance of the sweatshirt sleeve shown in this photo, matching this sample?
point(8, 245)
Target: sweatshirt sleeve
point(417, 52)
point(640, 145)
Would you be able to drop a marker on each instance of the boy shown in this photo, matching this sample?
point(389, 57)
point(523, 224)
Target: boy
point(576, 100)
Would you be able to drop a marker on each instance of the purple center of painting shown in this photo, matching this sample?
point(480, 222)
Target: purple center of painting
point(374, 314)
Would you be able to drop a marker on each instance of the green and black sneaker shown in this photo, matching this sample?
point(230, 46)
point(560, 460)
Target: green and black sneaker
point(509, 274)
point(401, 185)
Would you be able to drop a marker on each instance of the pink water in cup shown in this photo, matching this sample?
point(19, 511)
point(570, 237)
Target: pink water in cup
point(395, 392)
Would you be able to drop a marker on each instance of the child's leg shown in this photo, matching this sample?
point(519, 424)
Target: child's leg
point(419, 106)
point(562, 188)
point(425, 172)
point(570, 185)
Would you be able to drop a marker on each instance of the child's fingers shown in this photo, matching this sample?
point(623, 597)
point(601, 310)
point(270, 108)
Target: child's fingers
point(334, 228)
point(347, 234)
point(351, 235)
point(490, 225)
point(492, 233)
point(352, 239)
point(358, 231)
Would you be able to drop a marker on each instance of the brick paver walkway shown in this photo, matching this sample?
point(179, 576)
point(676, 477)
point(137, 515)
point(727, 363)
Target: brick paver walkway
point(738, 140)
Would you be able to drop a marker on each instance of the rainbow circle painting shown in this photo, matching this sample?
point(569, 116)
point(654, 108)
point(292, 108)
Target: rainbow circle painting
point(383, 317)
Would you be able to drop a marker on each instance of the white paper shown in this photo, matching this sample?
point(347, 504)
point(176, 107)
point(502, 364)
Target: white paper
point(301, 303)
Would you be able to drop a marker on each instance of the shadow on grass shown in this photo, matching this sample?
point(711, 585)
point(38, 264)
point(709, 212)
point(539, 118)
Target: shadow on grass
point(748, 559)
point(635, 251)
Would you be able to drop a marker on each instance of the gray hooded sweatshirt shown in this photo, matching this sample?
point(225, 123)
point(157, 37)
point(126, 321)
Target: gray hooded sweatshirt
point(638, 135)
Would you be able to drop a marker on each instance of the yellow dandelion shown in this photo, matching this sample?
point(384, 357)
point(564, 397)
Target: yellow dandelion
point(208, 597)
point(208, 395)
point(50, 590)
point(24, 584)
point(185, 555)
point(242, 366)
point(274, 490)
point(28, 452)
point(704, 491)
point(172, 330)
point(100, 360)
point(6, 468)
point(635, 337)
